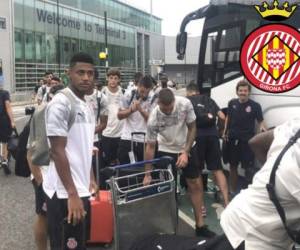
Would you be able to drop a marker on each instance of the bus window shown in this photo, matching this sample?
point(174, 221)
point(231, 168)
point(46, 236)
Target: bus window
point(230, 38)
point(210, 47)
point(221, 61)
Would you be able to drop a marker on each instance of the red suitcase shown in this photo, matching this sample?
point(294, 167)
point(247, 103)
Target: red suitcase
point(101, 230)
point(101, 226)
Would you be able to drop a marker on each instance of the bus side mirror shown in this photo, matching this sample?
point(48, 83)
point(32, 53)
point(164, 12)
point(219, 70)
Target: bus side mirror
point(181, 40)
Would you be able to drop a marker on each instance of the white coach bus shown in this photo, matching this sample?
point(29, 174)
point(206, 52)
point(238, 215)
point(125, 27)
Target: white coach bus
point(226, 25)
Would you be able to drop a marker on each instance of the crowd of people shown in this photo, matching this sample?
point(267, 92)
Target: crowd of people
point(142, 122)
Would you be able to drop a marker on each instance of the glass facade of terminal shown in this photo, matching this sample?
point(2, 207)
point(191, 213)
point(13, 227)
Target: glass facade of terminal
point(118, 11)
point(47, 35)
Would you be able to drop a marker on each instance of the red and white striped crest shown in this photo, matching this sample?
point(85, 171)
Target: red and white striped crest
point(270, 58)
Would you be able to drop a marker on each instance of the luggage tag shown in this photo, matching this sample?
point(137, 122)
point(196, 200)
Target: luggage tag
point(131, 157)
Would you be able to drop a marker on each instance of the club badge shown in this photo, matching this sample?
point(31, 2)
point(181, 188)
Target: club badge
point(270, 55)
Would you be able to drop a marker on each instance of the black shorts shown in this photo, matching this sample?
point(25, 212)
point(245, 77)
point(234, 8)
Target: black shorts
point(191, 171)
point(209, 152)
point(109, 146)
point(40, 198)
point(240, 152)
point(57, 212)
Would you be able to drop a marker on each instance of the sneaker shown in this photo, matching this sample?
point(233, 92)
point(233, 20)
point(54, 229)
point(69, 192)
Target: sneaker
point(204, 214)
point(204, 232)
point(6, 167)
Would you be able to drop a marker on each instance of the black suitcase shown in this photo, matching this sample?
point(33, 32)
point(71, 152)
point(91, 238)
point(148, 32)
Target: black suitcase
point(177, 242)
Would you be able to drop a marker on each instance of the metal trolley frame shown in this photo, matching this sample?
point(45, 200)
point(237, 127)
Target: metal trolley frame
point(140, 210)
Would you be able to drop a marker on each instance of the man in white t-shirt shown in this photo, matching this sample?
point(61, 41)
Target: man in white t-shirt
point(172, 124)
point(37, 173)
point(70, 178)
point(98, 102)
point(45, 88)
point(133, 84)
point(136, 106)
point(251, 217)
point(112, 133)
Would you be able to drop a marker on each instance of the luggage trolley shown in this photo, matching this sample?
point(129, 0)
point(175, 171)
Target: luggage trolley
point(139, 210)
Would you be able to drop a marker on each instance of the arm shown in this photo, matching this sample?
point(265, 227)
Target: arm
point(221, 115)
point(103, 123)
point(149, 155)
point(124, 113)
point(262, 126)
point(191, 135)
point(58, 154)
point(35, 170)
point(225, 132)
point(10, 113)
point(144, 113)
point(260, 144)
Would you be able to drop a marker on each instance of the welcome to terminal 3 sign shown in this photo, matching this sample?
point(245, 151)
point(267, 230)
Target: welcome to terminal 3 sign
point(53, 18)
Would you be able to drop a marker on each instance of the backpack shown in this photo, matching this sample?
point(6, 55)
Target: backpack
point(202, 106)
point(39, 146)
point(293, 234)
point(134, 93)
point(21, 166)
point(99, 98)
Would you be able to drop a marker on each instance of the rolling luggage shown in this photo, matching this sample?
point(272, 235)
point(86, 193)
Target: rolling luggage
point(178, 242)
point(133, 159)
point(101, 225)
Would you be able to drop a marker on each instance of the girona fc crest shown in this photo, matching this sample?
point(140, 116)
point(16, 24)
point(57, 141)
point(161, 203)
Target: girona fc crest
point(72, 243)
point(270, 58)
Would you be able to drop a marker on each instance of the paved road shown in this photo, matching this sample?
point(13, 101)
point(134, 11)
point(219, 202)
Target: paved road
point(16, 213)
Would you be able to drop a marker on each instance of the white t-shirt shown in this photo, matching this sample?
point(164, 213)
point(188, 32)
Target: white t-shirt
point(114, 125)
point(251, 216)
point(171, 130)
point(79, 144)
point(92, 101)
point(135, 122)
point(43, 92)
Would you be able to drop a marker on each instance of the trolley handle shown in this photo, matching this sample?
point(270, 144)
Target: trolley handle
point(111, 171)
point(138, 133)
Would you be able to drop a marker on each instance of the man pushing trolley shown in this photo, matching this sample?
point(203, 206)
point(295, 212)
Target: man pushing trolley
point(172, 123)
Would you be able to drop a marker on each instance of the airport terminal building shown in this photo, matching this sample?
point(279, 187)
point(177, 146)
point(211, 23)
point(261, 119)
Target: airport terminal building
point(42, 35)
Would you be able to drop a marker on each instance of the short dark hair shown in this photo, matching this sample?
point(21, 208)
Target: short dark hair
point(53, 90)
point(48, 73)
point(137, 77)
point(114, 72)
point(243, 83)
point(166, 96)
point(81, 57)
point(146, 82)
point(192, 87)
point(55, 78)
